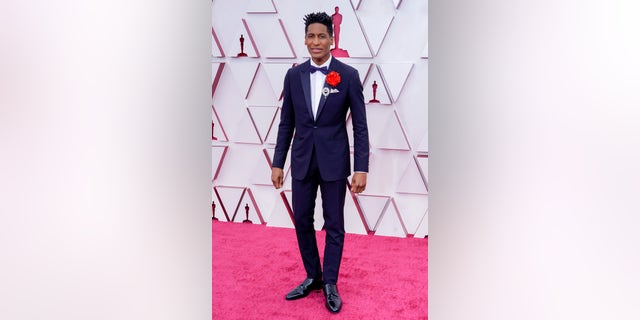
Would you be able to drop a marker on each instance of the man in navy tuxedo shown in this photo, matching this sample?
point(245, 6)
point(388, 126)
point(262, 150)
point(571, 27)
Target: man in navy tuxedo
point(317, 96)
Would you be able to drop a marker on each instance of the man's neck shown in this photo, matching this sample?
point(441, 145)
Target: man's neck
point(319, 63)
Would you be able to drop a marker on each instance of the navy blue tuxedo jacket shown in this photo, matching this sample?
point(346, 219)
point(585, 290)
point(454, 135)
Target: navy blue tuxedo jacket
point(328, 132)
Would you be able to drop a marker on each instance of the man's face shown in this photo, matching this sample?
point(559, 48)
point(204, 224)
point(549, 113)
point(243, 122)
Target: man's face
point(318, 42)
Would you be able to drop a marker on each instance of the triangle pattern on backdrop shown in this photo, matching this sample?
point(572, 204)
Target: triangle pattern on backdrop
point(275, 74)
point(269, 34)
point(229, 198)
point(269, 154)
point(377, 117)
point(372, 208)
point(287, 164)
point(423, 227)
point(281, 216)
point(390, 223)
point(395, 75)
point(376, 18)
point(411, 180)
point(248, 205)
point(245, 130)
point(265, 197)
point(262, 118)
point(261, 91)
point(381, 91)
point(397, 3)
point(424, 144)
point(272, 134)
point(216, 210)
point(216, 72)
point(217, 129)
point(410, 207)
point(243, 75)
point(261, 174)
point(230, 107)
point(261, 6)
point(392, 135)
point(216, 48)
point(355, 4)
point(217, 157)
point(423, 164)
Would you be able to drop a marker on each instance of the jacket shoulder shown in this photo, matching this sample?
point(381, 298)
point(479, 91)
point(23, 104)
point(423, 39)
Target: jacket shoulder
point(300, 67)
point(344, 67)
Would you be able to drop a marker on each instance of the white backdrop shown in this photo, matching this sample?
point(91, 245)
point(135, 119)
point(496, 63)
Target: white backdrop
point(387, 43)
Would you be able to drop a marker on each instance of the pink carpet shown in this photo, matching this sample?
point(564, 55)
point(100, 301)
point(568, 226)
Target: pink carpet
point(254, 266)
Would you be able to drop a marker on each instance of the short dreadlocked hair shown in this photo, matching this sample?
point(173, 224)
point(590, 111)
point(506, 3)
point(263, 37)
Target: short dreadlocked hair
point(318, 17)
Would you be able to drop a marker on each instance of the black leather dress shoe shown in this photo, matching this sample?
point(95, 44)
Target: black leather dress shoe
point(304, 288)
point(333, 301)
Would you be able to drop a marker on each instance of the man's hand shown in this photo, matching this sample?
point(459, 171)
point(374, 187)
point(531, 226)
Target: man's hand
point(276, 177)
point(358, 182)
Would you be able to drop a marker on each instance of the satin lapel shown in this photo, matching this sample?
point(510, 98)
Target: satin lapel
point(306, 89)
point(323, 99)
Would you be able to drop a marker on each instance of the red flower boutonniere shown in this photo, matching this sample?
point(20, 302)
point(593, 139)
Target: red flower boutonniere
point(333, 78)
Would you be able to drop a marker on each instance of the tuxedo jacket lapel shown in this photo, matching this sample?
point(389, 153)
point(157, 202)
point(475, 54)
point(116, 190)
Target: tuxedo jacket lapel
point(306, 88)
point(323, 99)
